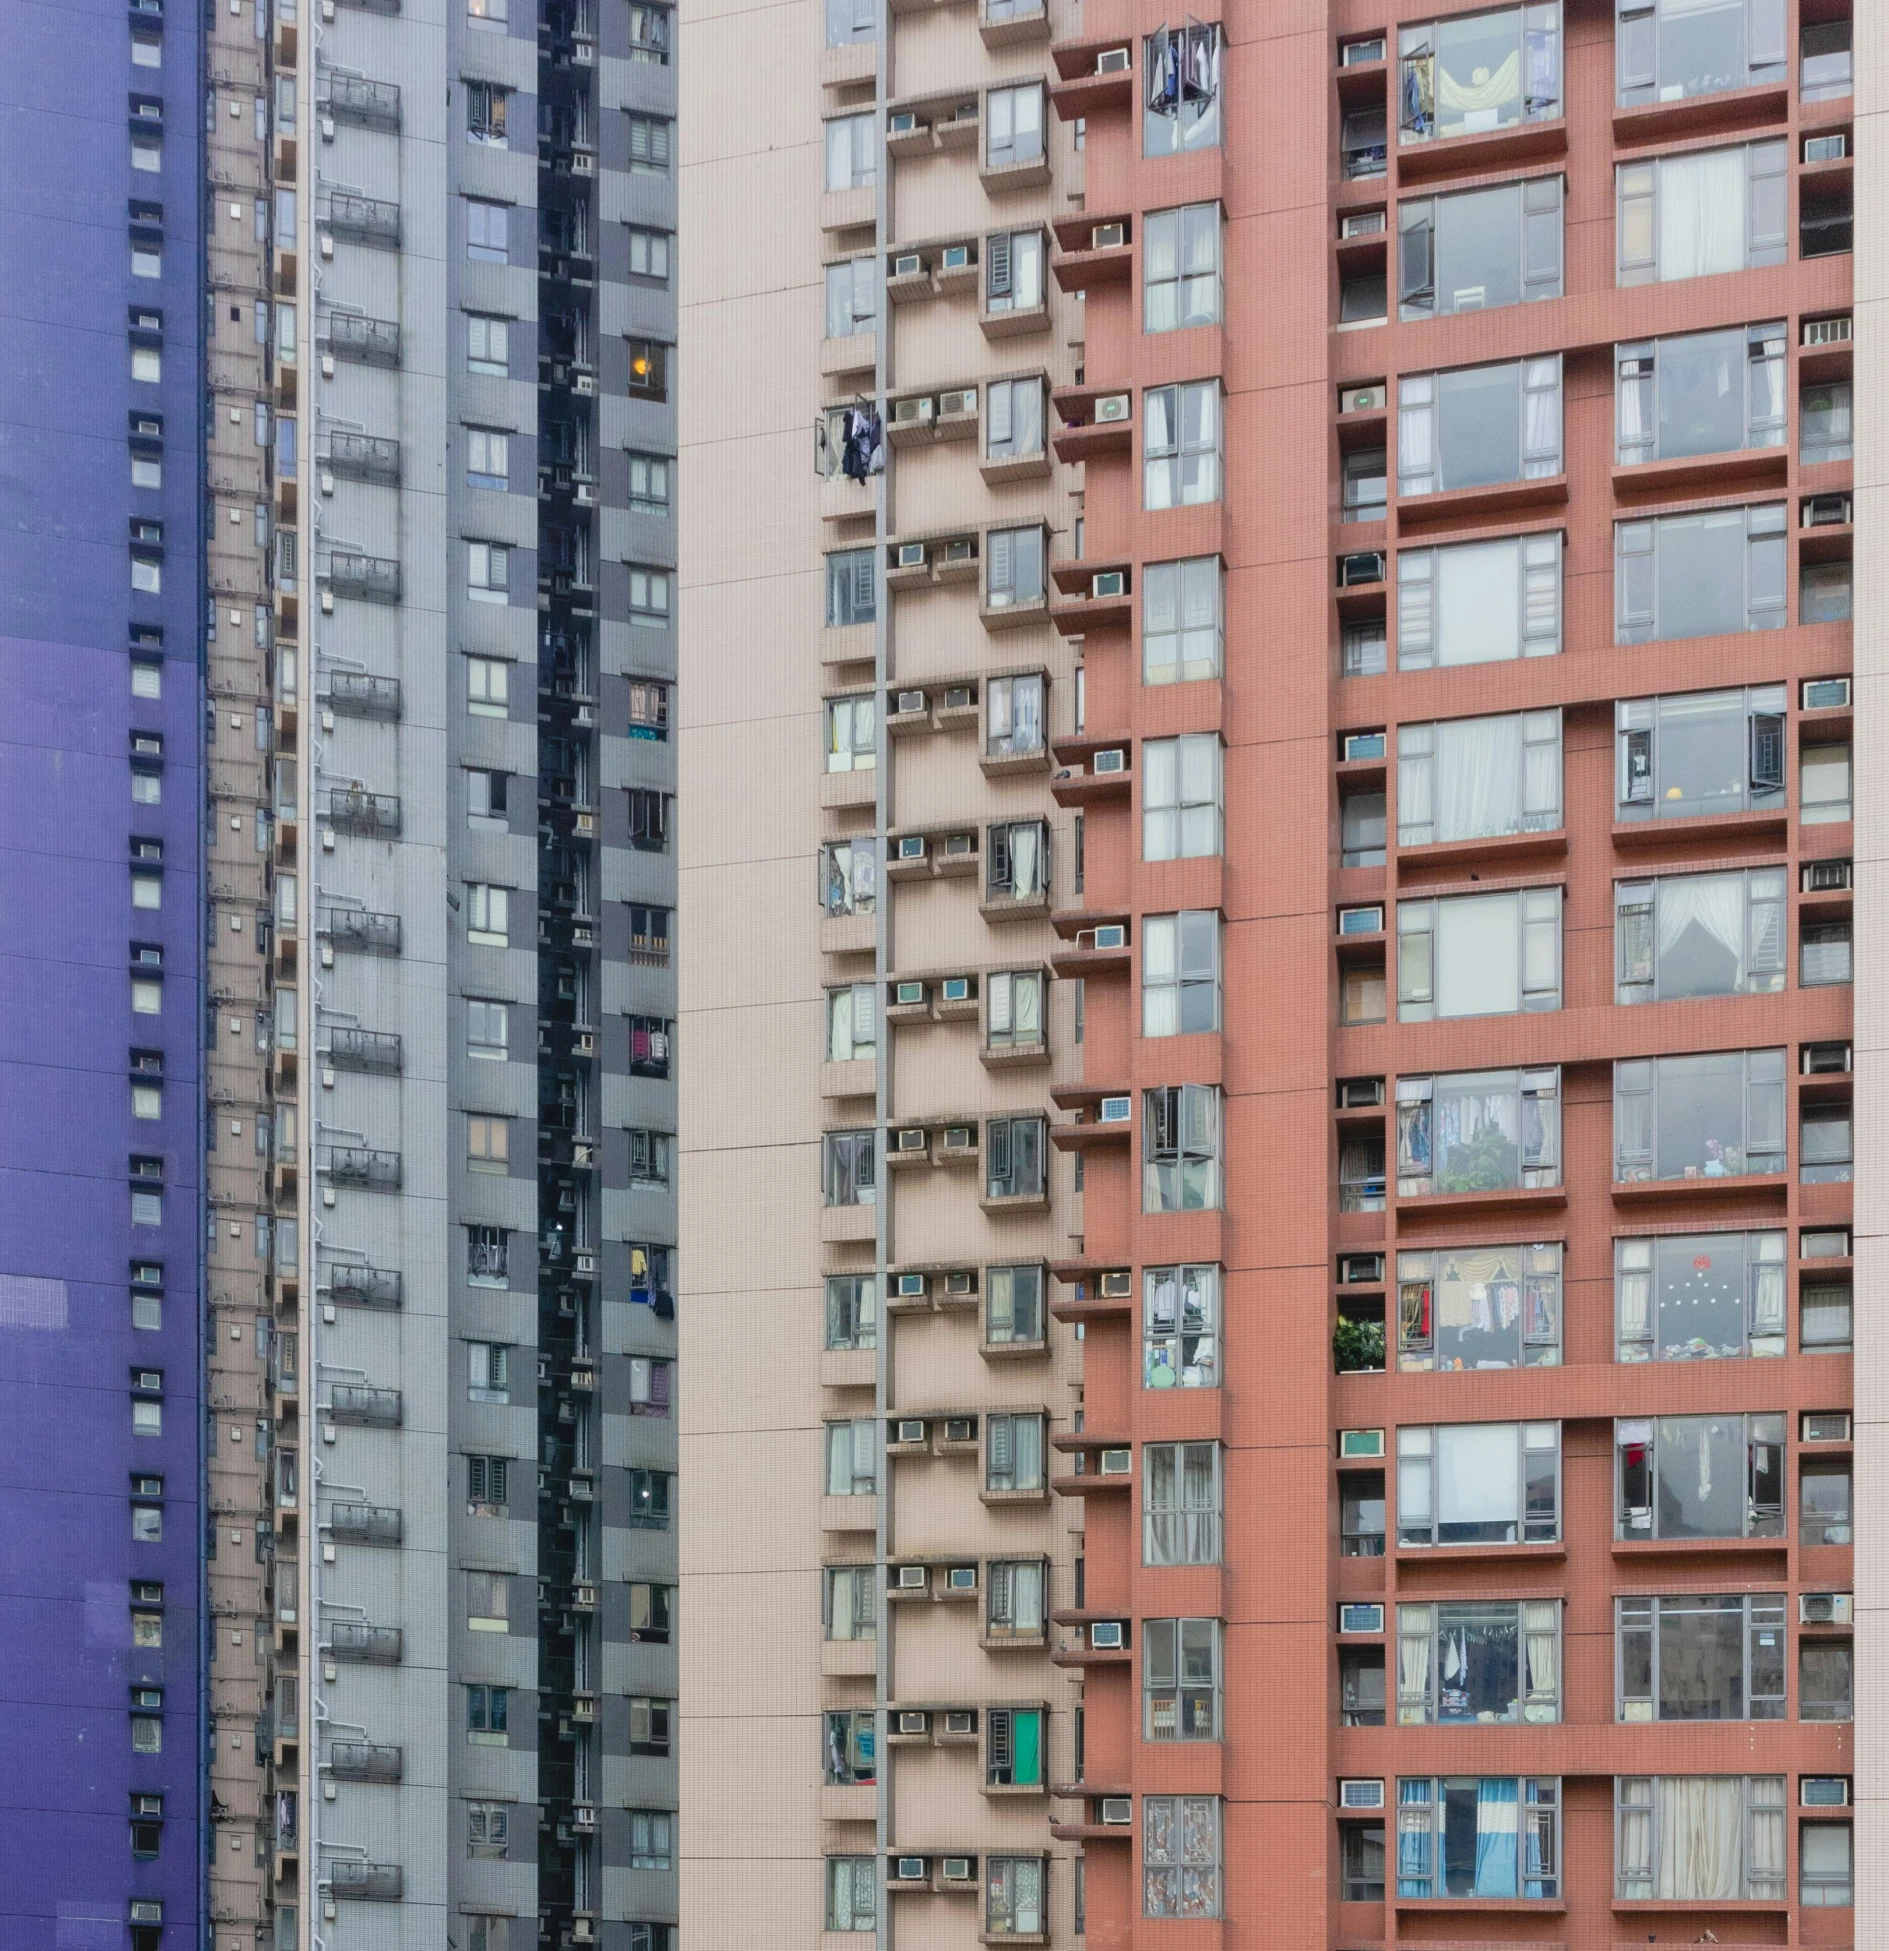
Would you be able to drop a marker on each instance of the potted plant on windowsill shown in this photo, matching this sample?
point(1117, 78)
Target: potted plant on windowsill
point(1357, 1347)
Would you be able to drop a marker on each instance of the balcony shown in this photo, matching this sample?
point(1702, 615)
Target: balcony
point(364, 1761)
point(366, 578)
point(363, 341)
point(363, 457)
point(377, 1051)
point(361, 1644)
point(363, 1407)
point(367, 104)
point(356, 1165)
point(379, 1883)
point(365, 1524)
point(375, 816)
point(360, 930)
point(364, 220)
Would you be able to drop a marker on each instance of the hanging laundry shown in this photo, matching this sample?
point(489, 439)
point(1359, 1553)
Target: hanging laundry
point(1164, 74)
point(1200, 74)
point(862, 450)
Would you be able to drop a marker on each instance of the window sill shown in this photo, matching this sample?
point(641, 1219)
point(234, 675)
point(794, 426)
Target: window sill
point(1655, 1905)
point(1016, 1056)
point(1731, 108)
point(1458, 1554)
point(1529, 1906)
point(999, 1499)
point(1495, 1199)
point(1015, 1202)
point(1741, 1185)
point(995, 765)
point(1002, 179)
point(1013, 1351)
point(1014, 907)
point(1666, 1547)
point(1458, 504)
point(1733, 829)
point(1016, 324)
point(1496, 847)
point(1711, 472)
point(1013, 1643)
point(1445, 155)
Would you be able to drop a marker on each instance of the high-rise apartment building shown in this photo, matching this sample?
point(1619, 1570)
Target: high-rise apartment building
point(1293, 862)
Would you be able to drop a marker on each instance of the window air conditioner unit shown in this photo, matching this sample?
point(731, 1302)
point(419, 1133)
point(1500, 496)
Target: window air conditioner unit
point(907, 702)
point(1828, 331)
point(908, 992)
point(1117, 1810)
point(1824, 1059)
point(1360, 1443)
point(911, 846)
point(1360, 1269)
point(1112, 61)
point(1354, 54)
point(960, 844)
point(901, 122)
point(911, 1139)
point(1111, 408)
point(959, 1138)
point(146, 1910)
point(1366, 566)
point(909, 555)
point(1827, 511)
point(960, 1720)
point(1363, 399)
point(960, 1578)
point(1360, 1093)
point(1825, 1608)
point(915, 412)
point(1360, 1795)
point(1361, 745)
point(912, 1578)
point(961, 1282)
point(1825, 876)
point(1116, 1286)
point(958, 403)
point(956, 1869)
point(1114, 935)
point(911, 1286)
point(1108, 582)
point(1115, 759)
point(955, 989)
point(957, 697)
point(910, 1429)
point(1360, 1618)
point(955, 257)
point(1108, 237)
point(1115, 1463)
point(583, 1815)
point(1823, 1791)
point(1108, 1636)
point(1112, 1111)
point(961, 548)
point(1826, 148)
point(907, 264)
point(1826, 693)
point(1363, 223)
point(911, 1869)
point(1361, 921)
point(913, 1720)
point(959, 1429)
point(1825, 1426)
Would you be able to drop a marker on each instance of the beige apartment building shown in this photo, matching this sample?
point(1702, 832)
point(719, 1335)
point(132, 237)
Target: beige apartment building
point(872, 1386)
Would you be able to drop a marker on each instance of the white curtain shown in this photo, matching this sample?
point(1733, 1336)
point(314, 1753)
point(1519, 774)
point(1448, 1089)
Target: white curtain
point(1712, 902)
point(1701, 213)
point(1698, 1818)
point(1026, 994)
point(1540, 1655)
point(1160, 975)
point(1414, 1632)
point(1025, 856)
point(1479, 601)
point(1479, 955)
point(1478, 771)
point(1478, 1471)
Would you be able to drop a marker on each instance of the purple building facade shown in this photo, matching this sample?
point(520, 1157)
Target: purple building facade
point(102, 1520)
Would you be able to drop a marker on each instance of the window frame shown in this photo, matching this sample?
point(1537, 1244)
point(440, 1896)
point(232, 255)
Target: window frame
point(1419, 1453)
point(1187, 462)
point(1629, 1888)
point(1537, 1805)
point(1638, 1616)
point(1761, 1432)
point(1175, 1531)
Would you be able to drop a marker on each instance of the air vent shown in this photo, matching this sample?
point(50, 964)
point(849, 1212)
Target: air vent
point(1366, 566)
point(961, 1720)
point(912, 1578)
point(963, 1281)
point(911, 1286)
point(1824, 1059)
point(1363, 223)
point(1826, 148)
point(960, 1578)
point(1115, 759)
point(1361, 745)
point(1366, 399)
point(1117, 1810)
point(955, 989)
point(1112, 1111)
point(910, 1869)
point(1108, 582)
point(913, 1721)
point(1115, 1463)
point(1823, 1791)
point(1108, 237)
point(909, 1430)
point(960, 1429)
point(907, 265)
point(1825, 876)
point(1827, 511)
point(1112, 61)
point(1361, 921)
point(908, 992)
point(957, 1869)
point(1112, 407)
point(1114, 935)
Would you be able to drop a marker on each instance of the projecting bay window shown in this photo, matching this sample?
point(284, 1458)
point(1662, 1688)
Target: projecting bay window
point(1013, 1310)
point(1014, 1903)
point(1682, 1477)
point(1180, 1679)
point(852, 1311)
point(852, 743)
point(849, 1602)
point(1478, 778)
point(1013, 1747)
point(849, 878)
point(851, 152)
point(1671, 50)
point(1479, 1836)
point(852, 297)
point(1699, 1838)
point(852, 1458)
point(1180, 283)
point(1706, 1658)
point(1013, 1010)
point(1180, 1327)
point(1181, 796)
point(1479, 1308)
point(1714, 1116)
point(1700, 393)
point(1479, 249)
point(850, 585)
point(1180, 973)
point(1479, 426)
point(1479, 602)
point(852, 1893)
point(1017, 861)
point(852, 1023)
point(1180, 1148)
point(1180, 1504)
point(1181, 89)
point(1699, 935)
point(1479, 73)
point(1478, 1131)
point(1013, 567)
point(850, 1748)
point(1013, 282)
point(1700, 753)
point(1013, 715)
point(1701, 212)
point(1016, 1599)
point(848, 1166)
point(1479, 955)
point(1014, 1161)
point(1013, 125)
point(1690, 1297)
point(1013, 1454)
point(1479, 1484)
point(1705, 575)
point(1479, 1663)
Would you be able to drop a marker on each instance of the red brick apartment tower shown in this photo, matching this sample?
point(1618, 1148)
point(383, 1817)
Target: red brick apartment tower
point(1471, 1332)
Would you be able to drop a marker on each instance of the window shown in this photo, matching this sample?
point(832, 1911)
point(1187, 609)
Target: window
point(488, 1827)
point(847, 1168)
point(1181, 629)
point(1479, 249)
point(1479, 1483)
point(147, 1524)
point(852, 1897)
point(851, 149)
point(852, 1015)
point(488, 567)
point(652, 1838)
point(1013, 273)
point(147, 1730)
point(851, 595)
point(650, 813)
point(1013, 1014)
point(488, 1255)
point(1013, 419)
point(1701, 1659)
point(1180, 1679)
point(488, 1145)
point(649, 597)
point(487, 1029)
point(1361, 1862)
point(1181, 270)
point(147, 470)
point(1013, 126)
point(1700, 213)
point(1705, 1117)
point(650, 35)
point(1478, 1836)
point(1702, 393)
point(1700, 575)
point(1825, 1849)
point(486, 1485)
point(1479, 602)
point(147, 364)
point(1016, 1598)
point(1825, 1323)
point(1181, 108)
point(1701, 753)
point(1361, 1514)
point(1478, 778)
point(487, 1711)
point(1181, 797)
point(1478, 73)
point(487, 910)
point(649, 368)
point(1826, 1686)
point(147, 574)
point(488, 462)
point(649, 483)
point(852, 297)
point(649, 709)
point(652, 1386)
point(1014, 1162)
point(486, 106)
point(1699, 935)
point(1181, 444)
point(1687, 1297)
point(1700, 1477)
point(649, 254)
point(849, 877)
point(1016, 863)
point(487, 687)
point(650, 1157)
point(1180, 972)
point(1013, 567)
point(488, 1602)
point(1825, 591)
point(651, 1609)
point(1479, 955)
point(1823, 785)
point(1180, 1327)
point(1479, 1663)
point(1668, 50)
point(649, 1500)
point(1180, 1504)
point(1180, 1148)
point(850, 1748)
point(1478, 1131)
point(1361, 1686)
point(488, 1933)
point(1366, 482)
point(852, 1311)
point(488, 15)
point(650, 1720)
point(1013, 1453)
point(852, 743)
point(488, 346)
point(1699, 1838)
point(488, 230)
point(1823, 1504)
point(849, 1602)
point(486, 800)
point(1362, 146)
point(849, 21)
point(1825, 1148)
point(1470, 1308)
point(649, 145)
point(1478, 426)
point(1825, 422)
point(1180, 1855)
point(1013, 1310)
point(1013, 1896)
point(488, 1371)
point(1013, 1748)
point(852, 1459)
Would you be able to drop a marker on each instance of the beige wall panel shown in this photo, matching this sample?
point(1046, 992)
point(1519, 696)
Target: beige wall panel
point(728, 683)
point(763, 1369)
point(774, 1191)
point(748, 933)
point(767, 1527)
